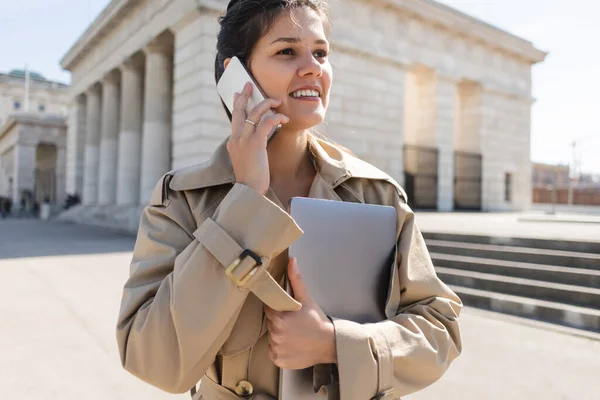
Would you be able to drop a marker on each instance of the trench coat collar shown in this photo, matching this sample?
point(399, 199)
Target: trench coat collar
point(334, 166)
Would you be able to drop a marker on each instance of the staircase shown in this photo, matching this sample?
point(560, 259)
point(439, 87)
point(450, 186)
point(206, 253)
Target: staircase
point(547, 280)
point(116, 218)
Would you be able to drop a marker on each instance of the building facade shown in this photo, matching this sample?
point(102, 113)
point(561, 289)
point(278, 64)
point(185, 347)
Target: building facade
point(33, 160)
point(33, 136)
point(437, 99)
point(549, 175)
point(45, 96)
point(552, 184)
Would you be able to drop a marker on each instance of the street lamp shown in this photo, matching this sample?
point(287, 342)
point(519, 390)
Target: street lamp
point(576, 162)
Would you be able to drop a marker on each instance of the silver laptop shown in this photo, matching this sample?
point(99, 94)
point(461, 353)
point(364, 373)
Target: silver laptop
point(345, 258)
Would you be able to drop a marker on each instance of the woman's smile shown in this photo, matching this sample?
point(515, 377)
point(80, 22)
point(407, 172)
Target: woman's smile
point(308, 93)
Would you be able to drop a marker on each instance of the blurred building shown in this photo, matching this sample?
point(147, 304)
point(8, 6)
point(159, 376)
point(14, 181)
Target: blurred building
point(552, 184)
point(548, 175)
point(45, 96)
point(33, 136)
point(436, 98)
point(589, 178)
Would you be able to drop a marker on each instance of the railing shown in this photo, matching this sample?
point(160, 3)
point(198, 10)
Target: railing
point(421, 176)
point(467, 181)
point(581, 196)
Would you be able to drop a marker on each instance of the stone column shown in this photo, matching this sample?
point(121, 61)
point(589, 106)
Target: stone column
point(60, 176)
point(468, 135)
point(156, 139)
point(109, 140)
point(420, 153)
point(445, 126)
point(467, 144)
point(24, 172)
point(76, 146)
point(130, 136)
point(431, 108)
point(92, 146)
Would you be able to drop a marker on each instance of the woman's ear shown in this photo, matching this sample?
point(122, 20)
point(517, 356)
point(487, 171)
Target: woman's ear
point(226, 62)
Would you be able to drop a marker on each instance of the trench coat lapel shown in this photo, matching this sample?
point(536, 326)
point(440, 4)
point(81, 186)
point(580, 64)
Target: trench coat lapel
point(330, 173)
point(322, 189)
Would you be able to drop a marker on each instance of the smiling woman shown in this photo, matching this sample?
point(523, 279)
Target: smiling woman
point(204, 299)
point(273, 50)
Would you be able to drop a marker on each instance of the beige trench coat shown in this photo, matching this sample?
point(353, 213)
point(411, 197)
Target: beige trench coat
point(184, 318)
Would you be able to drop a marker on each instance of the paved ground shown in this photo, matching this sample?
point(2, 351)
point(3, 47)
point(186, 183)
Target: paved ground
point(59, 297)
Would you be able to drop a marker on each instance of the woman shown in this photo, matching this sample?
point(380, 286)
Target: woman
point(204, 299)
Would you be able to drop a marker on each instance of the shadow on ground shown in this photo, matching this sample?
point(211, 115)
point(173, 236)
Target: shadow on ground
point(35, 238)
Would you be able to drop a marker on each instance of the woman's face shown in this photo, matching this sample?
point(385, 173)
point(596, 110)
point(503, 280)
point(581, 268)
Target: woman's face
point(290, 63)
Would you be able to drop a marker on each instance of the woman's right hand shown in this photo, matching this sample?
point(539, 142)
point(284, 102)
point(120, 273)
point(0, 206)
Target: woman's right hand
point(248, 144)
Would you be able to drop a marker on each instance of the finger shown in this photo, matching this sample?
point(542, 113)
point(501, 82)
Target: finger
point(243, 101)
point(274, 318)
point(272, 354)
point(269, 312)
point(257, 114)
point(297, 282)
point(236, 127)
point(277, 358)
point(276, 333)
point(238, 116)
point(267, 126)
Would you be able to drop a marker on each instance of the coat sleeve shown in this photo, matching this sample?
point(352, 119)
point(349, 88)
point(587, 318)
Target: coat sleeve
point(416, 344)
point(178, 306)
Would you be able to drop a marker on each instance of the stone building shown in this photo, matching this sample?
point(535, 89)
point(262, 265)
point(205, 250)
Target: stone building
point(32, 139)
point(436, 98)
point(33, 160)
point(550, 175)
point(45, 96)
point(552, 184)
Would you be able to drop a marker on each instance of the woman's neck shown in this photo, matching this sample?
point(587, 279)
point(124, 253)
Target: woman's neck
point(288, 157)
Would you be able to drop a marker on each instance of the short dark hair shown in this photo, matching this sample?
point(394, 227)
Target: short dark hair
point(247, 21)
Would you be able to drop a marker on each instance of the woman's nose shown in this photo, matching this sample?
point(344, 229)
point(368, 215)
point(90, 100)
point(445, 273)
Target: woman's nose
point(310, 66)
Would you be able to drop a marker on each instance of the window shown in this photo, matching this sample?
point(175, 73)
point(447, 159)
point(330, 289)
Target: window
point(508, 187)
point(42, 108)
point(17, 105)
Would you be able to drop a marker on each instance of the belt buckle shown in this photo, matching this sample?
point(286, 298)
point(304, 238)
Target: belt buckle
point(385, 394)
point(231, 268)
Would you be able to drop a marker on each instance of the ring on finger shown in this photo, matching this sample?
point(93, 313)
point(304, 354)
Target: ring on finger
point(249, 121)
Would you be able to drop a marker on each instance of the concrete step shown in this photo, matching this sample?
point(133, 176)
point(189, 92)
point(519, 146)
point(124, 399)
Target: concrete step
point(562, 314)
point(548, 273)
point(519, 254)
point(548, 291)
point(124, 219)
point(592, 246)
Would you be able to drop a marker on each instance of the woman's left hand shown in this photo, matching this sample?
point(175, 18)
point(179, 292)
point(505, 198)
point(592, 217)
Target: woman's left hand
point(300, 339)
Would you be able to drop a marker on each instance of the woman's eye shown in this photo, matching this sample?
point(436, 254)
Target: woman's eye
point(291, 52)
point(321, 53)
point(287, 52)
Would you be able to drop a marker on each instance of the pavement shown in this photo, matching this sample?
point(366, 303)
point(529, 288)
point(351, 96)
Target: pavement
point(59, 298)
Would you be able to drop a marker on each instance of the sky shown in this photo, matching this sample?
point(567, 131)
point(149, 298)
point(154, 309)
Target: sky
point(566, 85)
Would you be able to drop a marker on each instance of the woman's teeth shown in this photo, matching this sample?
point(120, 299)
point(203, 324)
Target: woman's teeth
point(305, 93)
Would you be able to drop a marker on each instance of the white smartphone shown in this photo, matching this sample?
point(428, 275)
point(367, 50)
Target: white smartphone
point(233, 80)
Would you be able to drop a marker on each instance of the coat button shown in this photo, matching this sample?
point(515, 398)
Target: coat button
point(244, 388)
